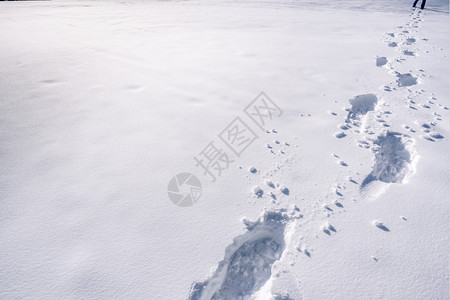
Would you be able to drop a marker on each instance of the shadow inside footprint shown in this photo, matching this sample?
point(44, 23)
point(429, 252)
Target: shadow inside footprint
point(338, 204)
point(392, 160)
point(405, 79)
point(249, 268)
point(247, 264)
point(383, 227)
point(381, 61)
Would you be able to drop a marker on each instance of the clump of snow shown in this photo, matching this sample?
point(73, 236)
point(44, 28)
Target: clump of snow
point(270, 183)
point(410, 41)
point(344, 126)
point(392, 44)
point(303, 250)
point(340, 134)
point(380, 225)
point(342, 163)
point(408, 53)
point(284, 189)
point(272, 195)
point(327, 228)
point(331, 113)
point(258, 191)
point(436, 135)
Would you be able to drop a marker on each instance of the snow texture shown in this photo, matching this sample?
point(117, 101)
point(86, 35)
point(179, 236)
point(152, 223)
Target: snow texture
point(103, 103)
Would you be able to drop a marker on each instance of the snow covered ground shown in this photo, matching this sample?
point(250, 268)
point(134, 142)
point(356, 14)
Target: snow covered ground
point(343, 193)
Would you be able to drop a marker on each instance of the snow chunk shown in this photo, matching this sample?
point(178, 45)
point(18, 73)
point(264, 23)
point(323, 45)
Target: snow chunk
point(380, 225)
point(327, 228)
point(258, 191)
point(270, 183)
point(284, 190)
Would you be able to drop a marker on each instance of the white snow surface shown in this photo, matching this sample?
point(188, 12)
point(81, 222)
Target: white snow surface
point(102, 103)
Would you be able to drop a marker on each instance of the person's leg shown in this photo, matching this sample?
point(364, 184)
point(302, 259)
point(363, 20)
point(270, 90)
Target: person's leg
point(423, 4)
point(415, 2)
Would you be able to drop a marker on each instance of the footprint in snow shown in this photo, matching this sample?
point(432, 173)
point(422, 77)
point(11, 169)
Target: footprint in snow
point(381, 61)
point(405, 79)
point(361, 105)
point(247, 264)
point(258, 192)
point(410, 41)
point(394, 158)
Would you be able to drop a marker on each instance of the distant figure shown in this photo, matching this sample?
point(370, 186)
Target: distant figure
point(421, 6)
